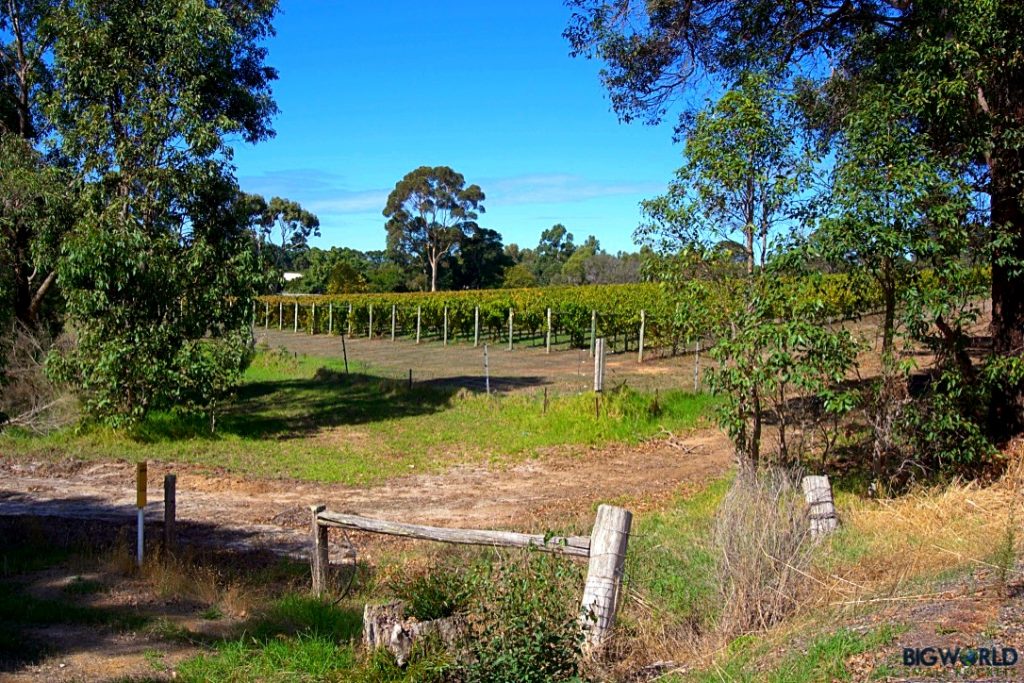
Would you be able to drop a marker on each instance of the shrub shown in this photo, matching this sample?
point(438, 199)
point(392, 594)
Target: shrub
point(762, 540)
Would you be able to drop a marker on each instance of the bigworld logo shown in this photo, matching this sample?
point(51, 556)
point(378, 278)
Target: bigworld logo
point(971, 656)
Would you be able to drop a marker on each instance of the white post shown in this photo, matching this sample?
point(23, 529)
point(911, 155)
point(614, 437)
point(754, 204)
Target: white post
point(487, 372)
point(593, 331)
point(445, 326)
point(296, 329)
point(266, 315)
point(547, 342)
point(280, 315)
point(696, 367)
point(599, 364)
point(369, 331)
point(330, 318)
point(476, 327)
point(643, 324)
point(419, 311)
point(510, 314)
point(312, 320)
point(392, 322)
point(608, 542)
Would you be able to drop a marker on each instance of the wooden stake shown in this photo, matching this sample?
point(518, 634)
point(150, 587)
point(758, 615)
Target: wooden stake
point(608, 542)
point(545, 400)
point(312, 320)
point(476, 327)
point(547, 341)
point(350, 320)
point(330, 318)
point(320, 558)
point(643, 324)
point(392, 322)
point(266, 315)
point(344, 353)
point(818, 493)
point(419, 311)
point(369, 332)
point(445, 326)
point(170, 511)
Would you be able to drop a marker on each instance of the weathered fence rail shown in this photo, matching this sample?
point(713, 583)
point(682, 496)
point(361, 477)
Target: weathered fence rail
point(605, 549)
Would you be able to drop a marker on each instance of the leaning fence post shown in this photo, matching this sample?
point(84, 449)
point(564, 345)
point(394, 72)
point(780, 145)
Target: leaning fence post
point(818, 492)
point(608, 542)
point(319, 560)
point(170, 511)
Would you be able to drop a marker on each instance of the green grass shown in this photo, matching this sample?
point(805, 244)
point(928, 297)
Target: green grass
point(670, 561)
point(305, 418)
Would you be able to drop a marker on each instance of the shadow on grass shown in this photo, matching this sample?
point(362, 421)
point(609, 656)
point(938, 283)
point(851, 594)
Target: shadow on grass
point(295, 408)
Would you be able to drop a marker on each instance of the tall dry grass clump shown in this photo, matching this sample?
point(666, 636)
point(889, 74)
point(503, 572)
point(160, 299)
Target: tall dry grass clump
point(28, 398)
point(763, 548)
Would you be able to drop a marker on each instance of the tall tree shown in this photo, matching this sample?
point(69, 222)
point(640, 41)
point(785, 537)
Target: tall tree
point(956, 66)
point(160, 268)
point(429, 212)
point(293, 224)
point(745, 165)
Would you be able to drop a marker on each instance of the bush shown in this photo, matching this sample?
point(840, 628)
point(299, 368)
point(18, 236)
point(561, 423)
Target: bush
point(436, 594)
point(762, 540)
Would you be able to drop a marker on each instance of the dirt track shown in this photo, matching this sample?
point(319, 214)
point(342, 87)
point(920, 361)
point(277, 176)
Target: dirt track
point(560, 489)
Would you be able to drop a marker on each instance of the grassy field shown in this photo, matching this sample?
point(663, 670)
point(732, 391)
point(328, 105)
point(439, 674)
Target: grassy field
point(303, 417)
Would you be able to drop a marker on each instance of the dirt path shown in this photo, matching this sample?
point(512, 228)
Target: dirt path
point(560, 489)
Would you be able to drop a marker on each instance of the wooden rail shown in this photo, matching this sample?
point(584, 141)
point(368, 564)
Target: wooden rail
point(567, 545)
point(605, 549)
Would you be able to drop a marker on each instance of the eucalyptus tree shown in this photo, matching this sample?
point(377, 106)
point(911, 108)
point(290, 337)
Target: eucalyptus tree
point(430, 211)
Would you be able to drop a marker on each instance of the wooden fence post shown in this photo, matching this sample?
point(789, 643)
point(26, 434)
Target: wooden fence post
point(419, 311)
point(547, 342)
point(476, 327)
point(510, 314)
point(320, 558)
point(170, 512)
point(608, 542)
point(392, 322)
point(445, 326)
point(593, 331)
point(643, 324)
point(818, 492)
point(599, 364)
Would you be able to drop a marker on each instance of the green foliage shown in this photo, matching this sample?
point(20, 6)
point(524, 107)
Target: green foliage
point(160, 266)
point(430, 211)
point(530, 630)
point(436, 594)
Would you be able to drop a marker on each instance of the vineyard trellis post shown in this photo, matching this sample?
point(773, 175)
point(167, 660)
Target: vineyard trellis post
point(547, 341)
point(312, 319)
point(510, 315)
point(599, 364)
point(643, 324)
point(266, 315)
point(593, 331)
point(350, 320)
point(369, 331)
point(419, 312)
point(330, 318)
point(487, 373)
point(295, 329)
point(445, 333)
point(280, 315)
point(476, 327)
point(392, 322)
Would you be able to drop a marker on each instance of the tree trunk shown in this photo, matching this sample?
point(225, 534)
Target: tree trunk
point(1007, 328)
point(433, 274)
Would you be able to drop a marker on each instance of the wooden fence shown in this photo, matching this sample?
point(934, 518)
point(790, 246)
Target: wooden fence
point(605, 549)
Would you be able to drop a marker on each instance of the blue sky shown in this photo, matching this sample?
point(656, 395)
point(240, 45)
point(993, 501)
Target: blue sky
point(369, 91)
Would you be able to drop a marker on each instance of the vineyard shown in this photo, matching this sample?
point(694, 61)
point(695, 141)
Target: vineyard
point(567, 316)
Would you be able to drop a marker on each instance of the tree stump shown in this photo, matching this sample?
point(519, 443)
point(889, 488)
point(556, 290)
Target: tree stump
point(818, 493)
point(385, 626)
